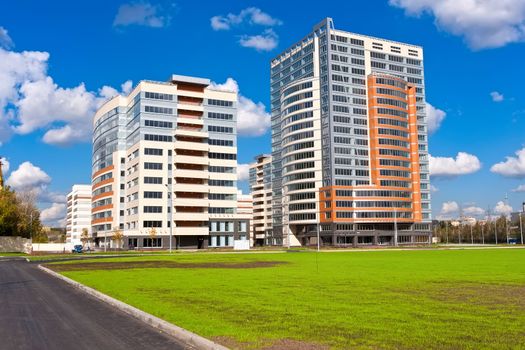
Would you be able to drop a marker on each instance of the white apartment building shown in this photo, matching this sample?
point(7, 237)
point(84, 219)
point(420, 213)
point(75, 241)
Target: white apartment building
point(78, 215)
point(164, 166)
point(245, 212)
point(261, 190)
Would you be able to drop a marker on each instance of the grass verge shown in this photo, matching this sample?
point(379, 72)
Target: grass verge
point(447, 299)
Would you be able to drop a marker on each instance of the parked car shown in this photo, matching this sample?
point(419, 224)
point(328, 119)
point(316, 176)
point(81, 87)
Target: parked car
point(77, 249)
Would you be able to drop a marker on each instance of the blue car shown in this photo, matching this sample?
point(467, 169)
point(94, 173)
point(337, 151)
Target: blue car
point(77, 248)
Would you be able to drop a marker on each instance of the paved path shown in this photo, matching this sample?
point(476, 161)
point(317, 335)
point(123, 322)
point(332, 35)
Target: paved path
point(38, 311)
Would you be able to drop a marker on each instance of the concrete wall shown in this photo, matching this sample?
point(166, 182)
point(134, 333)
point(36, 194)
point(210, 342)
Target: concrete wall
point(53, 247)
point(15, 244)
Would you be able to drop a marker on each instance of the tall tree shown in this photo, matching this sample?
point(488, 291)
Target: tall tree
point(84, 236)
point(19, 215)
point(9, 214)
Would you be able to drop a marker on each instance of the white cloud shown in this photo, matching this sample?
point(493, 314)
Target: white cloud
point(449, 207)
point(266, 41)
point(66, 135)
point(435, 117)
point(463, 164)
point(434, 188)
point(252, 118)
point(520, 188)
point(252, 15)
point(31, 178)
point(51, 197)
point(219, 23)
point(259, 17)
point(229, 85)
point(473, 211)
point(54, 214)
point(512, 166)
point(126, 87)
point(502, 208)
point(30, 100)
point(243, 172)
point(44, 103)
point(142, 14)
point(5, 39)
point(28, 177)
point(482, 23)
point(18, 67)
point(496, 96)
point(5, 165)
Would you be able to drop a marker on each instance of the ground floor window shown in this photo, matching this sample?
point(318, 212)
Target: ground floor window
point(345, 239)
point(365, 240)
point(421, 239)
point(385, 240)
point(132, 243)
point(404, 239)
point(220, 241)
point(242, 226)
point(152, 242)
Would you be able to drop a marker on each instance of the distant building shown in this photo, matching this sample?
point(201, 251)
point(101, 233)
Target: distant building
point(78, 215)
point(261, 190)
point(464, 220)
point(245, 212)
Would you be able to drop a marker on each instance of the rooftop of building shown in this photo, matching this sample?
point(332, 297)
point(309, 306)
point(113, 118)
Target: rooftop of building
point(173, 80)
point(189, 80)
point(329, 23)
point(262, 156)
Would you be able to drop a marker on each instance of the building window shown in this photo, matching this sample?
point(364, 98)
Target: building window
point(152, 242)
point(159, 110)
point(220, 103)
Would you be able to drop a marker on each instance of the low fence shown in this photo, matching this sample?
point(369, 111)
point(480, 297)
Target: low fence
point(52, 247)
point(14, 244)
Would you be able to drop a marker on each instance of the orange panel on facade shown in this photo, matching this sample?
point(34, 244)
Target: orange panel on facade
point(328, 195)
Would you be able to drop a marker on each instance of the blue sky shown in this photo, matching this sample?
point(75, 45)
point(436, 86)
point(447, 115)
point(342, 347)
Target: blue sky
point(473, 74)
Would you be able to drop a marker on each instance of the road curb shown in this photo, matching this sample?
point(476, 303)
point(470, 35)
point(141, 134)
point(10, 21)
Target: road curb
point(178, 333)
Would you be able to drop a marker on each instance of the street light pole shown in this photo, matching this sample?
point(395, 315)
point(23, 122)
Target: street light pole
point(31, 226)
point(496, 230)
point(395, 228)
point(170, 216)
point(318, 236)
point(507, 229)
point(521, 229)
point(319, 223)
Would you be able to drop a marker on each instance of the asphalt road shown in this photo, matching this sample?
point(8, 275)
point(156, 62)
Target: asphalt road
point(38, 311)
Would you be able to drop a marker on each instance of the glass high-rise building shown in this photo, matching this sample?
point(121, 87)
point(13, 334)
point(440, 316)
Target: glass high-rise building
point(349, 141)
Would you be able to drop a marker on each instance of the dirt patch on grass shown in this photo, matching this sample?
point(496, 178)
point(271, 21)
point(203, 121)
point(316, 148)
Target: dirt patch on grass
point(291, 344)
point(161, 264)
point(281, 344)
point(232, 343)
point(492, 296)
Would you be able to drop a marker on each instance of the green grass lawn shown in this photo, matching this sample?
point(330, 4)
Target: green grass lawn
point(12, 254)
point(446, 299)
